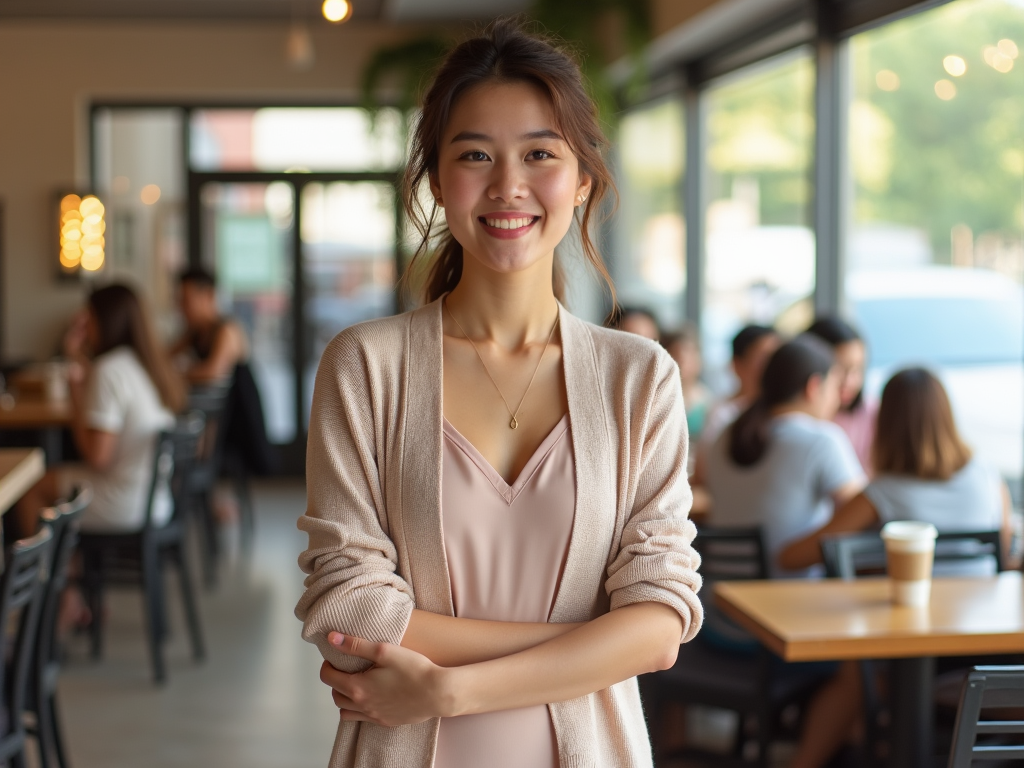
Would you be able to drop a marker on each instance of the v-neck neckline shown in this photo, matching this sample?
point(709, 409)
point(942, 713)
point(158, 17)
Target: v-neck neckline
point(506, 491)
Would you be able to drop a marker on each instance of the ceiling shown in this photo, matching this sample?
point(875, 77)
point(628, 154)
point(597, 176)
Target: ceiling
point(387, 10)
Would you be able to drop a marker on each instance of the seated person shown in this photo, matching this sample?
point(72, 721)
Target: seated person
point(751, 349)
point(212, 345)
point(923, 471)
point(856, 415)
point(636, 320)
point(123, 393)
point(782, 466)
point(685, 350)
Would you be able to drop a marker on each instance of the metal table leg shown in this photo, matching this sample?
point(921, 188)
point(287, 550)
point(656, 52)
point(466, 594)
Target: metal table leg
point(912, 713)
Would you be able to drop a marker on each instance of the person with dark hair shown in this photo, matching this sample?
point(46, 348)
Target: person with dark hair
point(684, 347)
point(752, 346)
point(638, 320)
point(123, 392)
point(923, 471)
point(212, 345)
point(497, 494)
point(856, 415)
point(784, 466)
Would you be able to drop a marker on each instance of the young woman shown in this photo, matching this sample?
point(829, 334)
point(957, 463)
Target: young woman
point(497, 495)
point(122, 394)
point(783, 466)
point(856, 415)
point(923, 471)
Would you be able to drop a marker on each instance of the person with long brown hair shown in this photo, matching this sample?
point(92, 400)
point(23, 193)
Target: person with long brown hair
point(923, 471)
point(497, 494)
point(123, 392)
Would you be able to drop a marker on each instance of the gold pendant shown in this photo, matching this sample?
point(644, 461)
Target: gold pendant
point(513, 424)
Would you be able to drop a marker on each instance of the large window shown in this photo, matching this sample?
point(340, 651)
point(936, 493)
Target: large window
point(759, 244)
point(934, 248)
point(650, 263)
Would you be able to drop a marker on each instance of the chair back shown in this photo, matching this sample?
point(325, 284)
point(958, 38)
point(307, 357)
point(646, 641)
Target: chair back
point(65, 521)
point(211, 400)
point(21, 592)
point(728, 554)
point(988, 687)
point(176, 452)
point(850, 556)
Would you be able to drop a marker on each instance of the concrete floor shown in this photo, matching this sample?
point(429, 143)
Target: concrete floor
point(256, 702)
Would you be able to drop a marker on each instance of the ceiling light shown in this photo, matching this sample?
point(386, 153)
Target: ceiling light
point(82, 224)
point(337, 11)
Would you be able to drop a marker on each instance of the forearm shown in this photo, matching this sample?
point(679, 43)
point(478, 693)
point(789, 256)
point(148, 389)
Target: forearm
point(802, 553)
point(614, 647)
point(452, 642)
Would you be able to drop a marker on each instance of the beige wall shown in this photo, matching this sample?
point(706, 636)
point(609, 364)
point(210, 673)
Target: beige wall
point(49, 74)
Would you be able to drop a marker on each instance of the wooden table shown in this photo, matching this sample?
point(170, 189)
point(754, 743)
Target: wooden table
point(47, 418)
point(833, 620)
point(20, 469)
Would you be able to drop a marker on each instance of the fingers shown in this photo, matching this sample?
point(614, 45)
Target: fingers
point(356, 646)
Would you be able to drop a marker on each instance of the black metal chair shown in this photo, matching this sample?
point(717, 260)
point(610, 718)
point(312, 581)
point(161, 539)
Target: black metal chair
point(212, 401)
point(849, 556)
point(64, 521)
point(139, 558)
point(21, 595)
point(747, 680)
point(988, 687)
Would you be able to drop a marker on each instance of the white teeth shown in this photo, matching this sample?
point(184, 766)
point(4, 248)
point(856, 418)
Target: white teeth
point(509, 223)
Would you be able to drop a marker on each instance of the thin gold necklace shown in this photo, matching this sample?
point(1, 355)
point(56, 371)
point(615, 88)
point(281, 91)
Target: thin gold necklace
point(514, 423)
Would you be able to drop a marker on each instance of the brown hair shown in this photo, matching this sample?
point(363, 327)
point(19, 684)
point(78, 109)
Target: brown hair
point(122, 322)
point(916, 434)
point(504, 54)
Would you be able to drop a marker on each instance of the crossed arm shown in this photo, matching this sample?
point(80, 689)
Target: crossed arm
point(447, 666)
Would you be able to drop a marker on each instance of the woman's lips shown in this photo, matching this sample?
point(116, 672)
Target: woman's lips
point(508, 227)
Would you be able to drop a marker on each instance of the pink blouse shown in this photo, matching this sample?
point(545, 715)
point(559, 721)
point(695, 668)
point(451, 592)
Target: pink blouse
point(859, 426)
point(506, 548)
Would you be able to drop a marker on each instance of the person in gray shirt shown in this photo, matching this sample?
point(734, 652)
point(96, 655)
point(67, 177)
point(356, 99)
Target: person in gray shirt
point(923, 471)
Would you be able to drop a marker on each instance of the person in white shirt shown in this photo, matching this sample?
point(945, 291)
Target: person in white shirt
point(781, 466)
point(923, 471)
point(122, 394)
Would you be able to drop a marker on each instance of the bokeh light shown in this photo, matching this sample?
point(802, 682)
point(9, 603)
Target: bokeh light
point(954, 65)
point(149, 194)
point(82, 225)
point(945, 90)
point(337, 11)
point(887, 80)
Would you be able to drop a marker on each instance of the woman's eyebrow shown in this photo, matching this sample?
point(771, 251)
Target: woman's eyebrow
point(545, 133)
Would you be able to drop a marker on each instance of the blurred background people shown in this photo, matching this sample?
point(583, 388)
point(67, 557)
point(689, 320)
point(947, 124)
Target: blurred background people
point(684, 347)
point(636, 320)
point(212, 346)
point(123, 392)
point(923, 471)
point(784, 466)
point(856, 414)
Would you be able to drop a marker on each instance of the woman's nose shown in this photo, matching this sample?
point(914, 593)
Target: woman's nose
point(507, 182)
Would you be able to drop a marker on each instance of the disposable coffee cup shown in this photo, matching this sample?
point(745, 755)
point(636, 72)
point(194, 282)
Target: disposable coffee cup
point(909, 553)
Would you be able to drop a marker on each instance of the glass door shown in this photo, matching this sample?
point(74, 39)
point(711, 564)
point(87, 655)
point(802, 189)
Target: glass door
point(348, 235)
point(247, 241)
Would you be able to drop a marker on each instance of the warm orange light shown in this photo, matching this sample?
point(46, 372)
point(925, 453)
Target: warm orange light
point(337, 11)
point(149, 194)
point(82, 226)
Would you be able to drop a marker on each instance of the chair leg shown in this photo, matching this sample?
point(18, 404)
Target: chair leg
point(153, 608)
point(188, 597)
point(245, 509)
point(56, 736)
point(18, 758)
point(210, 546)
point(93, 587)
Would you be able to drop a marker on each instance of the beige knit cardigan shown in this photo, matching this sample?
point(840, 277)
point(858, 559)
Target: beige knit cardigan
point(373, 516)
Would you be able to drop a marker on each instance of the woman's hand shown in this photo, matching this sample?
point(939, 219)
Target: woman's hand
point(402, 686)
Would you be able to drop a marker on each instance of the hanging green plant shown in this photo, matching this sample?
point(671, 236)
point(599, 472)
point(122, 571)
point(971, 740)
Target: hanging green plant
point(584, 24)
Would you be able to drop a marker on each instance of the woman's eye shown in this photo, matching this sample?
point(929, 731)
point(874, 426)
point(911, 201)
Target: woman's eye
point(540, 154)
point(474, 155)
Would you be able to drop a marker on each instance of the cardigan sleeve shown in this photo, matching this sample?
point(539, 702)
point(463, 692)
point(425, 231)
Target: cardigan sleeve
point(656, 561)
point(352, 586)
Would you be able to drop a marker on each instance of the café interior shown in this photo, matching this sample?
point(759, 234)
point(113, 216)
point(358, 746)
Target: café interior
point(849, 171)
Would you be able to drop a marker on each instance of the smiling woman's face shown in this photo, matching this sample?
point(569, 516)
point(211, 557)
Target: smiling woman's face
point(507, 179)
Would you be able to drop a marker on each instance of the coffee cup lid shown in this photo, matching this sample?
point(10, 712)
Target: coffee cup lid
point(908, 530)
